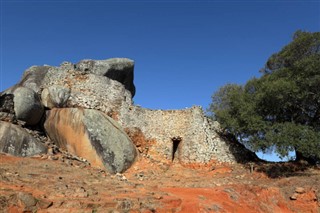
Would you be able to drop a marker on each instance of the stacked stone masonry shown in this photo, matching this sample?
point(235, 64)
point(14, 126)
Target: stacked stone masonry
point(200, 141)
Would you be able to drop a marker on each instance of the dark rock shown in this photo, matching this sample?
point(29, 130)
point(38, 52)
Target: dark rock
point(32, 78)
point(92, 135)
point(6, 103)
point(16, 141)
point(7, 108)
point(27, 105)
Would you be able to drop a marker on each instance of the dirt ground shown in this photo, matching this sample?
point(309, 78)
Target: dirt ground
point(57, 184)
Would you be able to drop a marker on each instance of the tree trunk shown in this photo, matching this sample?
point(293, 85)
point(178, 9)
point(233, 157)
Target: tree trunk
point(299, 156)
point(311, 160)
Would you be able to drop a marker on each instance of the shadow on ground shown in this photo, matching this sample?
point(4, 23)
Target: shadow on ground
point(286, 169)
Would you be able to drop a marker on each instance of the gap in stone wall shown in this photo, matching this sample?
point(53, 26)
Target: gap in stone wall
point(176, 141)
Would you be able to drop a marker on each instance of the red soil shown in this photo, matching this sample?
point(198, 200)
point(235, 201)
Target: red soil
point(70, 186)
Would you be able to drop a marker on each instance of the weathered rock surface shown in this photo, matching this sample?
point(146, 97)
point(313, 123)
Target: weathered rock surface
point(27, 105)
point(90, 91)
point(119, 69)
point(92, 135)
point(16, 141)
point(185, 136)
point(32, 78)
point(7, 108)
point(104, 85)
point(55, 96)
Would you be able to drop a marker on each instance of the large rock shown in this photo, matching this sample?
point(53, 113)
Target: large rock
point(103, 85)
point(119, 69)
point(92, 135)
point(89, 91)
point(16, 141)
point(32, 78)
point(55, 96)
point(27, 105)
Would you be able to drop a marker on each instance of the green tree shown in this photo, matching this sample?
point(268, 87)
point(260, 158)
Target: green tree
point(281, 109)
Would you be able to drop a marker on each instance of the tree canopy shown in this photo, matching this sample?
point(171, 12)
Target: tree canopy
point(280, 109)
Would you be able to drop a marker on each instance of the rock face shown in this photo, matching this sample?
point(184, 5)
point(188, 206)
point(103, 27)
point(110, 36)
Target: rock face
point(55, 96)
point(104, 85)
point(27, 105)
point(87, 90)
point(16, 141)
point(32, 78)
point(119, 69)
point(92, 135)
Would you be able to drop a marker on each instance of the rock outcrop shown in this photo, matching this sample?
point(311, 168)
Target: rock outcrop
point(32, 78)
point(27, 105)
point(88, 104)
point(55, 96)
point(92, 135)
point(87, 90)
point(119, 69)
point(16, 141)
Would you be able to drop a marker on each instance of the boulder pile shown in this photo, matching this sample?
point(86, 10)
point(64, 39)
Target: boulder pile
point(86, 109)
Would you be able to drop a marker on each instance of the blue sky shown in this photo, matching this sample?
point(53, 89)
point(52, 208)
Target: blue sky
point(183, 50)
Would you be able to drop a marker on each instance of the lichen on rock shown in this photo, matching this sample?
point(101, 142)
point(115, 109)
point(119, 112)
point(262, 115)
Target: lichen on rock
point(16, 141)
point(92, 135)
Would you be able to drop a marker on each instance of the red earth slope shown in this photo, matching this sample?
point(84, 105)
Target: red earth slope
point(58, 184)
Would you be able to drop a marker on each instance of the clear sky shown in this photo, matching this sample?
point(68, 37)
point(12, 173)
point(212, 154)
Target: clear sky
point(183, 50)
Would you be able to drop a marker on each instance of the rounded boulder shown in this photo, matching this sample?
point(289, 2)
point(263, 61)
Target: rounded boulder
point(27, 105)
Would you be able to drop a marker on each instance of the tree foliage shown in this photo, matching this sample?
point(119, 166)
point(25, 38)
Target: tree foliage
point(280, 109)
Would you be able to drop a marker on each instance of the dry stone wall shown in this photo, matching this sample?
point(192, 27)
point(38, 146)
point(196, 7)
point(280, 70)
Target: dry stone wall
point(185, 136)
